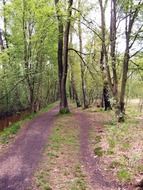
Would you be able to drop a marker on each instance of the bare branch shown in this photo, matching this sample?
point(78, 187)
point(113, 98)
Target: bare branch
point(136, 52)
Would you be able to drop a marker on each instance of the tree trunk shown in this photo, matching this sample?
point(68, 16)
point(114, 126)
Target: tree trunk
point(75, 94)
point(26, 59)
point(63, 42)
point(113, 31)
point(129, 22)
point(5, 25)
point(106, 99)
point(83, 82)
point(104, 62)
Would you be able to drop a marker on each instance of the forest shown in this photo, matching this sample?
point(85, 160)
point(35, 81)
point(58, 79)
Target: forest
point(99, 49)
point(81, 57)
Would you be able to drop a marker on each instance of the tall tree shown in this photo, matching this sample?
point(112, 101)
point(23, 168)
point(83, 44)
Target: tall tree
point(83, 82)
point(63, 42)
point(131, 15)
point(104, 59)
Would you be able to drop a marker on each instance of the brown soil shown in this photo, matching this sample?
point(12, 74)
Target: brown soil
point(20, 161)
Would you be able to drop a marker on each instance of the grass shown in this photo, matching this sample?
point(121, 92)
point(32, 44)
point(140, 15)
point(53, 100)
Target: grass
point(60, 167)
point(124, 175)
point(12, 130)
point(79, 182)
point(8, 133)
point(119, 145)
point(124, 148)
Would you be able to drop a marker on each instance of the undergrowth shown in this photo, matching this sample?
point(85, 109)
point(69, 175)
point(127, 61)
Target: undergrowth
point(124, 147)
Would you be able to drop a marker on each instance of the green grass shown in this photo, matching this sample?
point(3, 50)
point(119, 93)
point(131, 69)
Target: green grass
point(79, 183)
point(12, 130)
point(121, 138)
point(7, 133)
point(124, 175)
point(61, 155)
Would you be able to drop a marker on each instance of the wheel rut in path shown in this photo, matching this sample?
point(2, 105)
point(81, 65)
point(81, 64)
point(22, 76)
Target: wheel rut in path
point(91, 163)
point(22, 157)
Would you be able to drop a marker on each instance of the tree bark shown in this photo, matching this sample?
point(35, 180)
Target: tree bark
point(26, 59)
point(104, 62)
point(129, 22)
point(74, 93)
point(63, 42)
point(5, 25)
point(113, 31)
point(83, 82)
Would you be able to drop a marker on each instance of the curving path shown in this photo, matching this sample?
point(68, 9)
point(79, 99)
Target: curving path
point(22, 157)
point(92, 164)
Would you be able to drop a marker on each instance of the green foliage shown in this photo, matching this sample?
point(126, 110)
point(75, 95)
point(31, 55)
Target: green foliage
point(41, 75)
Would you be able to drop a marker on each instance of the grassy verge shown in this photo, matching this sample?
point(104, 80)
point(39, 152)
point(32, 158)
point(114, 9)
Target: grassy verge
point(61, 168)
point(8, 133)
point(120, 146)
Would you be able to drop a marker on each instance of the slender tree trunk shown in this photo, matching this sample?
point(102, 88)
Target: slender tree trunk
point(74, 92)
point(26, 58)
point(60, 48)
point(129, 22)
point(121, 107)
point(104, 62)
point(113, 32)
point(83, 82)
point(5, 25)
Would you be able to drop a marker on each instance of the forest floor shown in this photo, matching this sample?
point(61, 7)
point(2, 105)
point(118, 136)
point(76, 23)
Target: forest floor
point(83, 150)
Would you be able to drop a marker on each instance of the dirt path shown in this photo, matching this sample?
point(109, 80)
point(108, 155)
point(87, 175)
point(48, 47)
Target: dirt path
point(19, 162)
point(92, 164)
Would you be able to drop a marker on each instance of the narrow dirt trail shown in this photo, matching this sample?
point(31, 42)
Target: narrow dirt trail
point(22, 157)
point(97, 177)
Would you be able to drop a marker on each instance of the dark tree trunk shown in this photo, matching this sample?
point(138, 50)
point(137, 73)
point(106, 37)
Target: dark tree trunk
point(63, 55)
point(75, 94)
point(106, 98)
